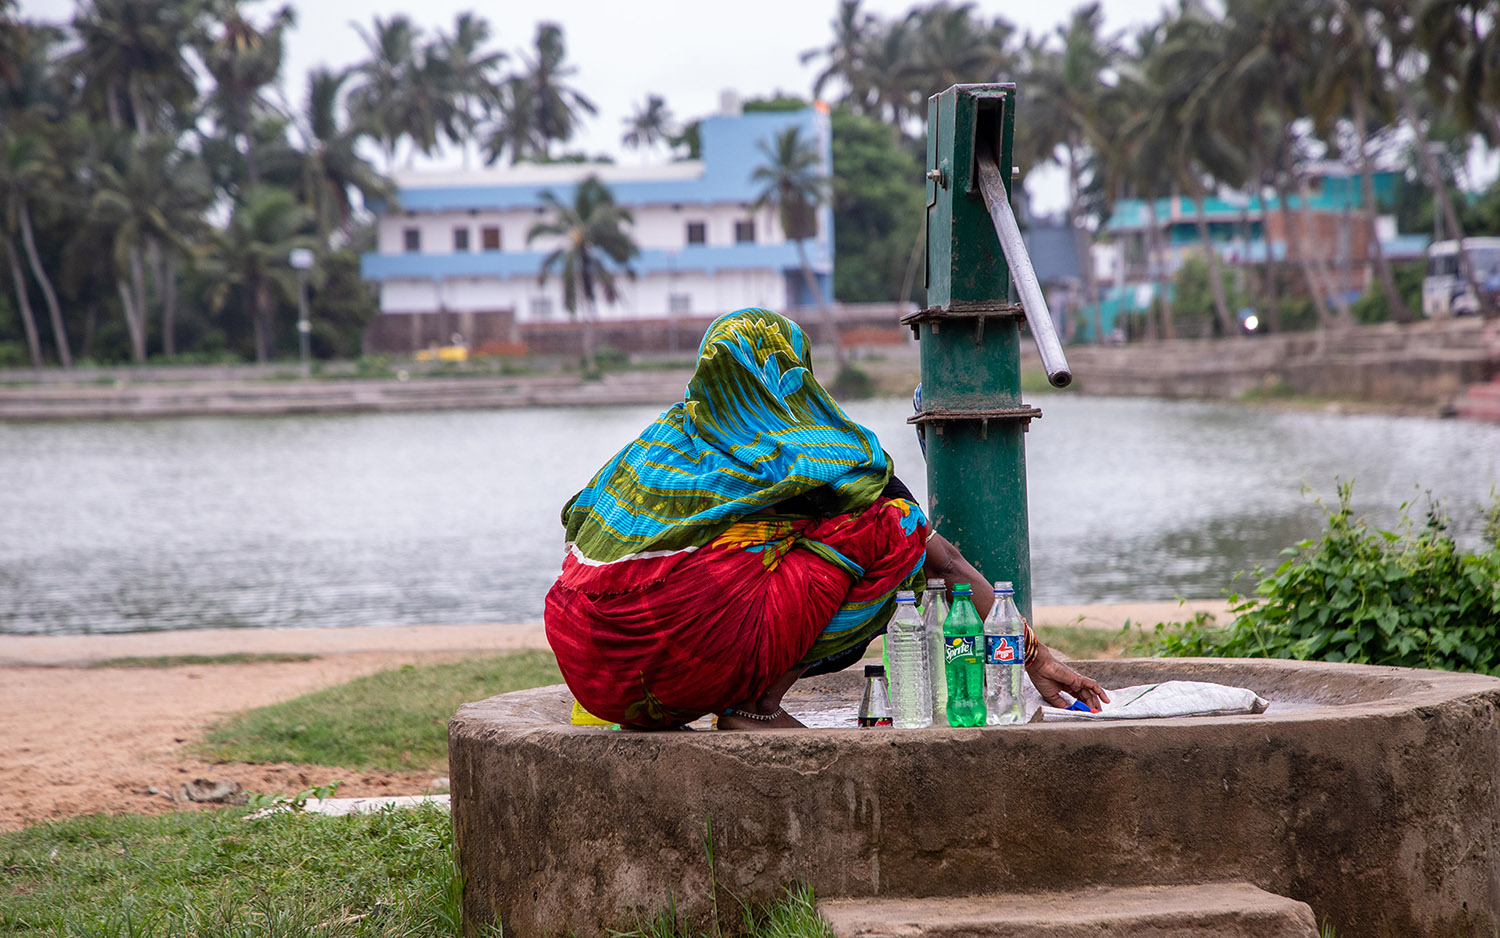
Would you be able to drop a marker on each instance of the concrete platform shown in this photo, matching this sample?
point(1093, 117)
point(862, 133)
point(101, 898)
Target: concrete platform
point(1369, 793)
point(1222, 910)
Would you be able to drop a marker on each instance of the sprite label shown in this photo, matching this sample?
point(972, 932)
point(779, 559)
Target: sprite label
point(959, 647)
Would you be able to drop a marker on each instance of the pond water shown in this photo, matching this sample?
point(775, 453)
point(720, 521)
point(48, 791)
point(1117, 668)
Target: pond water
point(452, 517)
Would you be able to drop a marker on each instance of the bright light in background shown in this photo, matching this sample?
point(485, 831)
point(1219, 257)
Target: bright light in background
point(1252, 322)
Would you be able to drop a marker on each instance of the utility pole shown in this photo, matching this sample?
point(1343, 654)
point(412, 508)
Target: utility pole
point(302, 260)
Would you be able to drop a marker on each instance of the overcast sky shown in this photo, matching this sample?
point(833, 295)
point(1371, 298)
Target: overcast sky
point(687, 51)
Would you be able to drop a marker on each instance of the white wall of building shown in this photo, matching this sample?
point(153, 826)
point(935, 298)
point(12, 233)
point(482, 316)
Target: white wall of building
point(660, 294)
point(655, 226)
point(664, 227)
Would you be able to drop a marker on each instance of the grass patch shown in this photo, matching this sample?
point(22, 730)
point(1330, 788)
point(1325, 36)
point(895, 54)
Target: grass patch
point(177, 661)
point(214, 875)
point(395, 720)
point(795, 915)
point(1082, 641)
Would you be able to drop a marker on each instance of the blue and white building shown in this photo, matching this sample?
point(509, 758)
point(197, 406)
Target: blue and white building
point(453, 257)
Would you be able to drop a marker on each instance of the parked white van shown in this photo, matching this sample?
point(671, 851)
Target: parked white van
point(1445, 291)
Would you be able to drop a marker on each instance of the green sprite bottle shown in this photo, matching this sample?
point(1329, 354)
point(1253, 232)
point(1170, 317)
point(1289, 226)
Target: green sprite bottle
point(963, 659)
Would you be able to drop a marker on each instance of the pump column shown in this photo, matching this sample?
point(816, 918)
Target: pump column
point(972, 416)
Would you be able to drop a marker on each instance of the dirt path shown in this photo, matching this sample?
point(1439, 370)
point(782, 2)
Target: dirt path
point(79, 740)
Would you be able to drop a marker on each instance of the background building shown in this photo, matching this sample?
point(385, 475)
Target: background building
point(453, 258)
point(1148, 243)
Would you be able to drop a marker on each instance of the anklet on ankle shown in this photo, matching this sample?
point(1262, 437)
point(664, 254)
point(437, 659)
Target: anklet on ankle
point(758, 717)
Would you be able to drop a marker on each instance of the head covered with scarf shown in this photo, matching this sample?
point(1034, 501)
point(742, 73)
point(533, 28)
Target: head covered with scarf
point(753, 429)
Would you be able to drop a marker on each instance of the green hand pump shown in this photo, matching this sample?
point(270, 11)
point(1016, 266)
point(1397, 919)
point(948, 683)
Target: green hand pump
point(972, 417)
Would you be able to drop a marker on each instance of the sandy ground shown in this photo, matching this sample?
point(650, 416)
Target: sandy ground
point(79, 740)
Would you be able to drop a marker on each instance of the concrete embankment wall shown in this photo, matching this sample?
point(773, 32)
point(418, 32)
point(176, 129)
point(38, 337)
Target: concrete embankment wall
point(1427, 363)
point(276, 398)
point(1424, 366)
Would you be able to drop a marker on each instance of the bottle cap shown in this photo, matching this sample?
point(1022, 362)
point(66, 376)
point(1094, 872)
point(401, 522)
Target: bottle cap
point(905, 596)
point(961, 588)
point(1004, 586)
point(936, 583)
point(874, 670)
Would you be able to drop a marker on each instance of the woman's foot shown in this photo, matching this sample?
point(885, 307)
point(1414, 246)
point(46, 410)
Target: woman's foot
point(747, 718)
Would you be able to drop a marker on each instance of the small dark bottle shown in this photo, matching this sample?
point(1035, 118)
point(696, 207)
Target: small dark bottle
point(875, 705)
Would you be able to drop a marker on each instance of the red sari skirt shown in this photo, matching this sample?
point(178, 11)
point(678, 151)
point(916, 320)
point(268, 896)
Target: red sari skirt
point(654, 642)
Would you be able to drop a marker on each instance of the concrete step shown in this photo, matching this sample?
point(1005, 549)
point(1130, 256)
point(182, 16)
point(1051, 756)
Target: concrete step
point(1210, 909)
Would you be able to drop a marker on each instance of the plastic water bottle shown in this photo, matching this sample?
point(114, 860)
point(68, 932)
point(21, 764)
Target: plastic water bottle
point(963, 651)
point(934, 614)
point(1004, 659)
point(906, 641)
point(875, 705)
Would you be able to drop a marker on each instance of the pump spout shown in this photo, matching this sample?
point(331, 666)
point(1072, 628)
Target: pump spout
point(1038, 317)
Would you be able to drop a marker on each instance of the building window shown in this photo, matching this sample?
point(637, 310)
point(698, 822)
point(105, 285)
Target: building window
point(679, 303)
point(490, 237)
point(461, 240)
point(744, 232)
point(697, 232)
point(412, 239)
point(541, 307)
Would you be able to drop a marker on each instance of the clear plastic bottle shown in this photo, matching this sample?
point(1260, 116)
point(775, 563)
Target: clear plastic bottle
point(963, 656)
point(1004, 659)
point(934, 614)
point(911, 689)
point(875, 705)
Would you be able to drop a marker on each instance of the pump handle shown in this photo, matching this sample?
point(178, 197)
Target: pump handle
point(1038, 318)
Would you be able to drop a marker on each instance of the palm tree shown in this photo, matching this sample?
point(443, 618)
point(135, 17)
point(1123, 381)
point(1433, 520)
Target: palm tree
point(29, 168)
point(30, 171)
point(1273, 54)
point(250, 259)
point(330, 167)
point(950, 47)
point(1069, 85)
point(18, 166)
point(852, 31)
point(130, 62)
point(515, 130)
point(474, 89)
point(793, 187)
point(13, 43)
point(594, 242)
point(377, 103)
point(147, 194)
point(551, 106)
point(1347, 85)
point(243, 60)
point(649, 125)
point(888, 64)
point(1185, 68)
point(1426, 44)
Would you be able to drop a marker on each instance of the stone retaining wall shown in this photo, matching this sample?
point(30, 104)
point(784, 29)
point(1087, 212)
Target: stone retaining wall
point(1427, 363)
point(1375, 801)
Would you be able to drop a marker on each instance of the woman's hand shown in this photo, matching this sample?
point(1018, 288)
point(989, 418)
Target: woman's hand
point(1051, 677)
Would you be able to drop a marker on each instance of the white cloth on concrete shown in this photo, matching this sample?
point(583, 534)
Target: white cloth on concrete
point(1167, 699)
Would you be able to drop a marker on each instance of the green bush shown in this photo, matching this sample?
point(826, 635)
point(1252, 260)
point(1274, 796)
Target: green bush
point(609, 358)
point(14, 355)
point(1193, 309)
point(1409, 598)
point(1372, 306)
